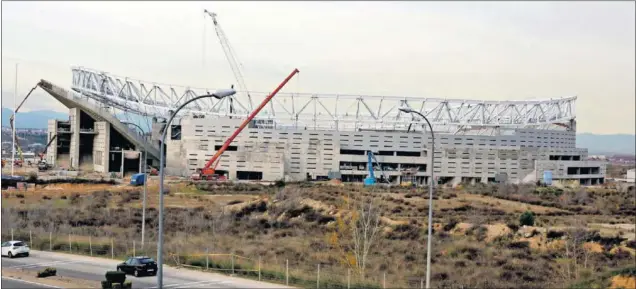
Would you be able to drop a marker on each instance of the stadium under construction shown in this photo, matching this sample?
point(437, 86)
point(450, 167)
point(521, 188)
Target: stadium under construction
point(299, 136)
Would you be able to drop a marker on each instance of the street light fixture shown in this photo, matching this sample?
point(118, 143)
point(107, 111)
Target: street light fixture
point(219, 94)
point(143, 209)
point(430, 195)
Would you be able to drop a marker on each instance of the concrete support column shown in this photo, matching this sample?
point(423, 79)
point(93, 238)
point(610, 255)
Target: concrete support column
point(51, 151)
point(101, 147)
point(74, 116)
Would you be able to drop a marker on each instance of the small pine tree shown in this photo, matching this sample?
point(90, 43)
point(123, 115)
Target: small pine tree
point(526, 219)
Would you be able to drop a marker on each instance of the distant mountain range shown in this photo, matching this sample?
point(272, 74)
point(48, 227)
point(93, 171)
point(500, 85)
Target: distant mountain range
point(606, 144)
point(38, 119)
point(32, 119)
point(595, 143)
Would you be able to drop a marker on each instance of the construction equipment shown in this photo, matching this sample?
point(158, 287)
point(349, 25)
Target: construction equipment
point(208, 172)
point(231, 58)
point(138, 179)
point(408, 177)
point(43, 153)
point(43, 165)
point(371, 180)
point(16, 141)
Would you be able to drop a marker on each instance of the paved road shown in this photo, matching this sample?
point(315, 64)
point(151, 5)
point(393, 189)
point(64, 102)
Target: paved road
point(15, 283)
point(89, 268)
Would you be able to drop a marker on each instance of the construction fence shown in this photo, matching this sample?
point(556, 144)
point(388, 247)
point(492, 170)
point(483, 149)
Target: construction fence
point(281, 271)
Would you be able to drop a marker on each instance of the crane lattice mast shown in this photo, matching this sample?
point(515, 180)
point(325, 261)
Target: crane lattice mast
point(231, 58)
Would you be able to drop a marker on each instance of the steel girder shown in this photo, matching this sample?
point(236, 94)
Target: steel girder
point(329, 111)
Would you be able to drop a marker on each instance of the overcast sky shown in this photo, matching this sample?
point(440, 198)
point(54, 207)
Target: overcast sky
point(469, 50)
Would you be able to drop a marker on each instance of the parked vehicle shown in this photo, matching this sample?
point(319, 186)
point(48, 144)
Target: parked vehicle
point(140, 265)
point(43, 166)
point(15, 248)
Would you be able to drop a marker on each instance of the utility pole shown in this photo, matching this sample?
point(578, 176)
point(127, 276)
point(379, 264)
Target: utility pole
point(15, 107)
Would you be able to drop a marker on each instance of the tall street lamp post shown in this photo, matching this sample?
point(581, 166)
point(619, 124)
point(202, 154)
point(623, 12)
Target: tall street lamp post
point(218, 95)
point(430, 196)
point(145, 164)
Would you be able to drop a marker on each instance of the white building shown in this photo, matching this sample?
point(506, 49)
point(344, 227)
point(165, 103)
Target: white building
point(631, 175)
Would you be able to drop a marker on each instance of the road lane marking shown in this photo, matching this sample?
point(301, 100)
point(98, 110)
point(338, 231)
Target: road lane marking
point(200, 285)
point(29, 282)
point(180, 285)
point(42, 264)
point(203, 283)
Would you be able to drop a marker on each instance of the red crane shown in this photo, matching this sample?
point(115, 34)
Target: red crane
point(208, 172)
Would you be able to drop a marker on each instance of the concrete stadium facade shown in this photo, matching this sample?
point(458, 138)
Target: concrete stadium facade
point(293, 154)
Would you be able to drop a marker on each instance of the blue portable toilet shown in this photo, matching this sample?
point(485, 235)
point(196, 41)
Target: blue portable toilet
point(137, 179)
point(547, 178)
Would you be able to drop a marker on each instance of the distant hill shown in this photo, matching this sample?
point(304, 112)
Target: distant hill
point(39, 119)
point(32, 119)
point(595, 143)
point(607, 143)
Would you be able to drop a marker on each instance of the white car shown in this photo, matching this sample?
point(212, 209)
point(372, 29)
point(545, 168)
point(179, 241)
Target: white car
point(15, 248)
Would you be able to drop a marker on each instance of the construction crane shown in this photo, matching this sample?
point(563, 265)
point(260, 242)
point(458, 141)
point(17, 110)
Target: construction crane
point(208, 172)
point(231, 58)
point(371, 180)
point(16, 140)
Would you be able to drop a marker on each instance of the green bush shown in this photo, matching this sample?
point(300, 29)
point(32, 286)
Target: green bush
point(279, 183)
point(526, 219)
point(117, 286)
point(115, 277)
point(127, 285)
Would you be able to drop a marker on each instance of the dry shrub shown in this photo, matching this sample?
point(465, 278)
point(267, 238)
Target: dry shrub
point(479, 232)
point(405, 232)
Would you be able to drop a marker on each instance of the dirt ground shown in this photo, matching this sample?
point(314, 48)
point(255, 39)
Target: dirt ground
point(623, 282)
point(505, 205)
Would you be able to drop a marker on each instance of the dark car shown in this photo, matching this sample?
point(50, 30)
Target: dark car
point(139, 266)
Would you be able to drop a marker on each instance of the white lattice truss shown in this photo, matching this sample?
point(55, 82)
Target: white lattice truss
point(329, 111)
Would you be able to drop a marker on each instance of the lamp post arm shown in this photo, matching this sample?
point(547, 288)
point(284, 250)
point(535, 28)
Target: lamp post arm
point(161, 177)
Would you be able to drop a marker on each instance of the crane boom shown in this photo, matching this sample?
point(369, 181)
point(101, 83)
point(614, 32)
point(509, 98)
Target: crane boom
point(16, 140)
point(231, 57)
point(47, 147)
point(206, 170)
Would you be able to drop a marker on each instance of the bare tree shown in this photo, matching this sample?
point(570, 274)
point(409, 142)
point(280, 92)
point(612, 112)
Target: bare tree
point(574, 251)
point(355, 236)
point(364, 231)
